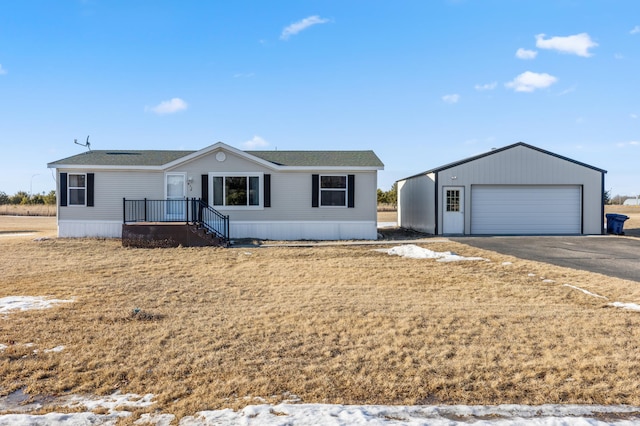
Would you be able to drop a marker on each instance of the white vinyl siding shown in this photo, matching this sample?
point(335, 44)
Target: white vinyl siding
point(110, 188)
point(290, 191)
point(526, 209)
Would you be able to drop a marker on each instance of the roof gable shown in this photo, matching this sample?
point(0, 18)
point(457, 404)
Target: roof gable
point(496, 151)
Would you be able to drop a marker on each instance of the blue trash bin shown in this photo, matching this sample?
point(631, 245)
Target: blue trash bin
point(615, 223)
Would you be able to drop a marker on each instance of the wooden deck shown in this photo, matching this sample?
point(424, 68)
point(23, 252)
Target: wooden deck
point(167, 234)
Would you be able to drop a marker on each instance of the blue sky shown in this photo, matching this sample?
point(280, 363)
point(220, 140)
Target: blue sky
point(422, 83)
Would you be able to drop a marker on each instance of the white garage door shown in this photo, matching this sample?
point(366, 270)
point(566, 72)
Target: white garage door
point(516, 209)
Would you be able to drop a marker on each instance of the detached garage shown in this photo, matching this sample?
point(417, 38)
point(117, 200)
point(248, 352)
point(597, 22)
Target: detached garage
point(515, 190)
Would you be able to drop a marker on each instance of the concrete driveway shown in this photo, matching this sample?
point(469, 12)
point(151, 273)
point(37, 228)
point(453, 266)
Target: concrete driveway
point(605, 254)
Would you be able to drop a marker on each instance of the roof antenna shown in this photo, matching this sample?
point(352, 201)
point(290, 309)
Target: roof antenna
point(87, 144)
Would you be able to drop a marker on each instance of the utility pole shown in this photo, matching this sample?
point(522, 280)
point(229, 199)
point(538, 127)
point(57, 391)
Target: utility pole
point(31, 184)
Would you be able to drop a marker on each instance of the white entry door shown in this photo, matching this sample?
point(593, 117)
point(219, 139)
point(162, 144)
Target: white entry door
point(453, 211)
point(176, 196)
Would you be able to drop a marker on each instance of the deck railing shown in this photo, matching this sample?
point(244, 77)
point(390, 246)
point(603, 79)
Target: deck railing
point(211, 219)
point(188, 210)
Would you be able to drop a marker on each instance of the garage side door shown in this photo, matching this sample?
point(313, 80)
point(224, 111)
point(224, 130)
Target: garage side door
point(526, 209)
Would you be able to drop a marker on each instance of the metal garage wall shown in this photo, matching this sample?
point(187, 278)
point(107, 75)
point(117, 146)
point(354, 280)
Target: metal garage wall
point(524, 165)
point(416, 207)
point(526, 209)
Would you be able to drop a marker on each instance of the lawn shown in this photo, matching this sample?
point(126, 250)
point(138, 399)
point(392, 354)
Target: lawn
point(207, 328)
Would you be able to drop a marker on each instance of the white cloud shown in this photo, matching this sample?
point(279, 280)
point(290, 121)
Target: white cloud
point(451, 99)
point(168, 107)
point(629, 143)
point(578, 44)
point(488, 86)
point(567, 91)
point(529, 81)
point(633, 115)
point(635, 30)
point(618, 56)
point(296, 27)
point(526, 54)
point(255, 142)
point(2, 70)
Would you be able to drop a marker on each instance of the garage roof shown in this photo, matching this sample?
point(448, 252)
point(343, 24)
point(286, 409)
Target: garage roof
point(497, 150)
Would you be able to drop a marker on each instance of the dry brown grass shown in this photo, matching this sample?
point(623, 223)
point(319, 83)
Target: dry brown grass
point(386, 207)
point(343, 324)
point(27, 210)
point(387, 216)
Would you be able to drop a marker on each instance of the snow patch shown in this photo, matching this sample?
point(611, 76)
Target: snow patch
point(622, 305)
point(628, 306)
point(587, 292)
point(111, 402)
point(25, 303)
point(378, 415)
point(155, 419)
point(339, 415)
point(117, 404)
point(414, 252)
point(384, 225)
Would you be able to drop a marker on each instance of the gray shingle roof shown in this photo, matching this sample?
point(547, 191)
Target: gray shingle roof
point(122, 158)
point(320, 158)
point(281, 158)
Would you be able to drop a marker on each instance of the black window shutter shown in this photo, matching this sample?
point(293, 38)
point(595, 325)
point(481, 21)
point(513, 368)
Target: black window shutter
point(90, 184)
point(63, 189)
point(315, 190)
point(267, 191)
point(205, 188)
point(351, 191)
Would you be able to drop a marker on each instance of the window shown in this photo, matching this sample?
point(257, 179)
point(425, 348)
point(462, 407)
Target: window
point(77, 189)
point(453, 200)
point(236, 190)
point(333, 191)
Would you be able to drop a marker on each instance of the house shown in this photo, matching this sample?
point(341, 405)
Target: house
point(277, 195)
point(632, 202)
point(515, 190)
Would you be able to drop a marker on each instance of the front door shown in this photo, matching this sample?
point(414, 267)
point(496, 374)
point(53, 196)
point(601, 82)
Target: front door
point(453, 212)
point(176, 196)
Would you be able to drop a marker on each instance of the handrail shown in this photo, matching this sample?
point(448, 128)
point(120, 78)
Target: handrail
point(210, 219)
point(194, 211)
